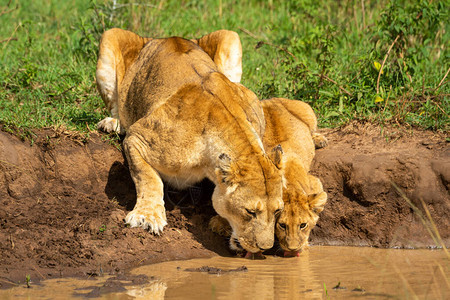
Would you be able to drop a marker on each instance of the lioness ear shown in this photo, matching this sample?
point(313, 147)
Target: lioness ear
point(225, 173)
point(317, 202)
point(223, 170)
point(277, 156)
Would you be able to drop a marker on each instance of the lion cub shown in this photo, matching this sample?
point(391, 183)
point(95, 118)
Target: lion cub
point(292, 124)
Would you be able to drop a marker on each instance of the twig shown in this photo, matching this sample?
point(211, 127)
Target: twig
point(387, 99)
point(438, 106)
point(355, 15)
point(260, 43)
point(117, 6)
point(11, 164)
point(363, 9)
point(434, 228)
point(423, 85)
point(384, 61)
point(442, 81)
point(406, 69)
point(9, 39)
point(112, 10)
point(11, 241)
point(440, 96)
point(6, 11)
point(332, 81)
point(425, 98)
point(416, 211)
point(249, 33)
point(8, 281)
point(88, 128)
point(43, 277)
point(65, 91)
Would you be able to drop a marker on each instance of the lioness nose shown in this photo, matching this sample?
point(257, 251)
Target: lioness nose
point(264, 246)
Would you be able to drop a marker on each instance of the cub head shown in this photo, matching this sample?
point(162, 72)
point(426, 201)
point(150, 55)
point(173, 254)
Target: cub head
point(248, 195)
point(300, 215)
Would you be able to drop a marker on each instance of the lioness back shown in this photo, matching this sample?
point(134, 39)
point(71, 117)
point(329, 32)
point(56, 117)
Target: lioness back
point(119, 49)
point(163, 66)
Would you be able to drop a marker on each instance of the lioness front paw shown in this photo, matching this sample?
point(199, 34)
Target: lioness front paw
point(154, 220)
point(220, 226)
point(109, 125)
point(320, 141)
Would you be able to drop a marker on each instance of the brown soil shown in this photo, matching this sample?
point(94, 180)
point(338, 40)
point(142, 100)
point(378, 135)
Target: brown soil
point(63, 202)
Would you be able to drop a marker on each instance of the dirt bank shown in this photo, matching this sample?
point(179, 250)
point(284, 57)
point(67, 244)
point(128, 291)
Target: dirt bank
point(63, 202)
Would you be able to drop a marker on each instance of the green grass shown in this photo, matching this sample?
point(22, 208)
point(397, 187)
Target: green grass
point(328, 53)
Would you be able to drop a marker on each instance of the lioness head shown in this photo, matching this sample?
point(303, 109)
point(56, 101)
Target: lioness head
point(249, 196)
point(300, 215)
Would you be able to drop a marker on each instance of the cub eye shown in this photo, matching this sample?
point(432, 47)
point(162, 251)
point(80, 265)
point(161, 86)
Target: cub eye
point(282, 226)
point(303, 225)
point(251, 213)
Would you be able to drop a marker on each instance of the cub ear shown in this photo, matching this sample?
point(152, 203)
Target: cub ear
point(277, 156)
point(317, 201)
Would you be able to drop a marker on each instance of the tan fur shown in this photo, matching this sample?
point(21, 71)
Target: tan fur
point(224, 47)
point(117, 52)
point(292, 124)
point(184, 121)
point(119, 49)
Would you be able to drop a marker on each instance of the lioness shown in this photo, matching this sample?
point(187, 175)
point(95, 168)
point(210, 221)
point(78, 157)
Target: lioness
point(184, 121)
point(292, 124)
point(120, 48)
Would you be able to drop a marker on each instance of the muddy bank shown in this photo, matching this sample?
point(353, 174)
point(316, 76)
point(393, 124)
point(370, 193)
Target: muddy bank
point(359, 169)
point(63, 201)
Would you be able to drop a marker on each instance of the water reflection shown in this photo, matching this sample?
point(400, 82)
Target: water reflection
point(320, 273)
point(336, 272)
point(273, 278)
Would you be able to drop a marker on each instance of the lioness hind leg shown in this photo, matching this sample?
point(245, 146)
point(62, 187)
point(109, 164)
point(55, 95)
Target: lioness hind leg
point(220, 226)
point(320, 141)
point(107, 73)
point(149, 212)
point(118, 49)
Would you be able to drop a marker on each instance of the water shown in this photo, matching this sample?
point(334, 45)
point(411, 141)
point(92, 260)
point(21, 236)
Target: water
point(366, 273)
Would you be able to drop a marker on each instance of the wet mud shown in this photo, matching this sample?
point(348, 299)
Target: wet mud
point(63, 201)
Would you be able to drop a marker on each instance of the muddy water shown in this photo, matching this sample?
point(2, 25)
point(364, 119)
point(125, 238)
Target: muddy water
point(320, 273)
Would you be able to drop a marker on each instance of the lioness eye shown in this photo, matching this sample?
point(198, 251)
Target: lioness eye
point(277, 212)
point(303, 225)
point(282, 225)
point(251, 213)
